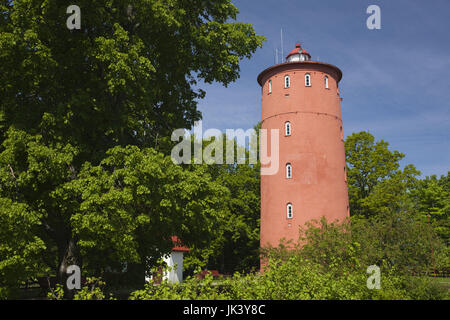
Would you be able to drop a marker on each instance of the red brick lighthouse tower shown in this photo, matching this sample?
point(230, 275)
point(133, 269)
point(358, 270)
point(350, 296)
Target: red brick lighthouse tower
point(300, 98)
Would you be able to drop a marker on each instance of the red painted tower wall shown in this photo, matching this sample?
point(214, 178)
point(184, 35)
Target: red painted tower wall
point(314, 149)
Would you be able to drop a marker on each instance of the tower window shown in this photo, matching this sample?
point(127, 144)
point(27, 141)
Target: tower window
point(287, 81)
point(270, 86)
point(289, 211)
point(287, 128)
point(307, 80)
point(288, 171)
point(326, 82)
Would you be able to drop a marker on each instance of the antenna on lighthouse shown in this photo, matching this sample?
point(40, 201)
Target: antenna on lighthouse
point(281, 36)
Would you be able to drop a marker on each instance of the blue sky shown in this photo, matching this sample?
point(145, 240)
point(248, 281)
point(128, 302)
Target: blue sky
point(396, 81)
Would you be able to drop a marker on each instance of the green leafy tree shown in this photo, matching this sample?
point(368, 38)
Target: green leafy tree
point(134, 201)
point(20, 247)
point(69, 97)
point(432, 200)
point(235, 246)
point(123, 210)
point(375, 181)
point(238, 244)
point(127, 77)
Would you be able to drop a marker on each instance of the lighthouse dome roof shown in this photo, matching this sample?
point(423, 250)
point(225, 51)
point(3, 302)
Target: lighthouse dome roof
point(298, 54)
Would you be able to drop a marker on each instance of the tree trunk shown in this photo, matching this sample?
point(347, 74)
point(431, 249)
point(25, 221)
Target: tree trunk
point(68, 255)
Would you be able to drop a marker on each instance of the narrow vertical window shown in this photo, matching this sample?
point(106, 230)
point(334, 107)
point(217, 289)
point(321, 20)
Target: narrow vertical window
point(288, 171)
point(287, 128)
point(326, 82)
point(289, 211)
point(270, 86)
point(307, 80)
point(287, 82)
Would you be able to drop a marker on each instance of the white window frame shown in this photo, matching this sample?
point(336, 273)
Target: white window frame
point(307, 80)
point(288, 171)
point(326, 82)
point(287, 129)
point(289, 211)
point(287, 81)
point(270, 86)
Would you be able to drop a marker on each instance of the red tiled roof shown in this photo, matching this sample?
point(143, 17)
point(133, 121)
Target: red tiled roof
point(297, 50)
point(178, 246)
point(305, 52)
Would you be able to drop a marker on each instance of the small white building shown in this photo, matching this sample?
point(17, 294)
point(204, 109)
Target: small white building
point(174, 261)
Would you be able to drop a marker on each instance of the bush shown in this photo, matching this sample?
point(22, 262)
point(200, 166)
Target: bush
point(329, 264)
point(190, 289)
point(93, 289)
point(295, 278)
point(299, 279)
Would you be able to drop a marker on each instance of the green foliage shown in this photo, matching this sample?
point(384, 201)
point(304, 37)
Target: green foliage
point(85, 120)
point(432, 200)
point(127, 77)
point(125, 209)
point(424, 288)
point(240, 252)
point(296, 278)
point(20, 246)
point(401, 240)
point(235, 243)
point(395, 199)
point(330, 264)
point(135, 196)
point(73, 102)
point(92, 290)
point(393, 240)
point(375, 182)
point(190, 289)
point(57, 293)
point(399, 245)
